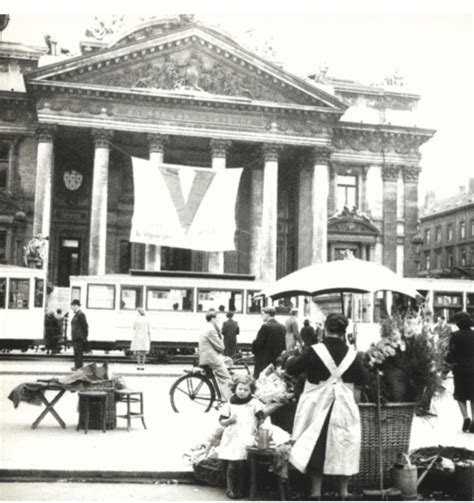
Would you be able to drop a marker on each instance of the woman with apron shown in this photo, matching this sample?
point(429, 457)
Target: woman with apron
point(326, 431)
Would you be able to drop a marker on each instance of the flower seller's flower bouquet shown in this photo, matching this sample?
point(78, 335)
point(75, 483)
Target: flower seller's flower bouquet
point(273, 388)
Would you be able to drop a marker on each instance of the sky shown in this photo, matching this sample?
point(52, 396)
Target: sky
point(430, 44)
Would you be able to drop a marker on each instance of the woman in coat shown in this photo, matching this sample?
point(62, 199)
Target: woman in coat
point(461, 359)
point(326, 431)
point(141, 338)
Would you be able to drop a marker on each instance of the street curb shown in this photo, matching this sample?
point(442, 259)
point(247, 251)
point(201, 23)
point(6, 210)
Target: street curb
point(97, 476)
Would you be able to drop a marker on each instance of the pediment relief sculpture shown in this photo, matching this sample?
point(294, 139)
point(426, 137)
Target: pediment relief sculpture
point(351, 221)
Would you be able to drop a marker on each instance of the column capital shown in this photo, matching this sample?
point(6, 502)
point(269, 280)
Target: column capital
point(157, 142)
point(271, 152)
point(390, 172)
point(411, 173)
point(219, 147)
point(45, 133)
point(102, 137)
point(321, 155)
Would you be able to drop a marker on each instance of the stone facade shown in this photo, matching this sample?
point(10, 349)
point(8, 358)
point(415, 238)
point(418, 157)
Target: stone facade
point(182, 93)
point(447, 232)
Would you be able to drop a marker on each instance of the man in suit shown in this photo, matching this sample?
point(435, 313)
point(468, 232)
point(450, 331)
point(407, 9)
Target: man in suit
point(211, 349)
point(230, 331)
point(270, 341)
point(79, 333)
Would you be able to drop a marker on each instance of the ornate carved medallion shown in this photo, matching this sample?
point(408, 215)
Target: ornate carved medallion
point(72, 179)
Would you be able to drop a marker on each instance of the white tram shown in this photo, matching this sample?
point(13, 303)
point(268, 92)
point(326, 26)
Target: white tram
point(22, 303)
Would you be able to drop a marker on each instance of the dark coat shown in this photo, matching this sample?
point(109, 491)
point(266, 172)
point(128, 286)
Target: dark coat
point(308, 335)
point(230, 331)
point(461, 357)
point(79, 327)
point(268, 345)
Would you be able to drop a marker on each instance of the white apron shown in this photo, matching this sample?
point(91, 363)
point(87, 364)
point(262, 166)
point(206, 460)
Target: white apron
point(343, 439)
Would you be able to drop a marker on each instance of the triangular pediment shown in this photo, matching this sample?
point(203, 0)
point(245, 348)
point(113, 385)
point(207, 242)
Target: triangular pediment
point(351, 221)
point(192, 59)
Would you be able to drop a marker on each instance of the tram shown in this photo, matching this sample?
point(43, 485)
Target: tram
point(175, 303)
point(22, 305)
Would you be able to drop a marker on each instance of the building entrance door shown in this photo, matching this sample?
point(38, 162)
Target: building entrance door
point(69, 259)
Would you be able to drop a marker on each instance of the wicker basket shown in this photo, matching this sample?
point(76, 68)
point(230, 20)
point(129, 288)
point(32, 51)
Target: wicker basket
point(396, 420)
point(211, 471)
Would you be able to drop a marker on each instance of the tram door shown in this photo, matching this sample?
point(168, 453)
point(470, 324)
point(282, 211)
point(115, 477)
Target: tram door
point(69, 260)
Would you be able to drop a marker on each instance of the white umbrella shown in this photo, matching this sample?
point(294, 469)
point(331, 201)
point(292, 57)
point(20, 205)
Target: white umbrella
point(349, 275)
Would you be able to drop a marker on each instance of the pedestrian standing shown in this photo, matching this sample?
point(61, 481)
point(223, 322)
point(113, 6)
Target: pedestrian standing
point(230, 331)
point(141, 341)
point(308, 334)
point(461, 359)
point(270, 341)
point(327, 431)
point(240, 417)
point(51, 332)
point(292, 337)
point(79, 333)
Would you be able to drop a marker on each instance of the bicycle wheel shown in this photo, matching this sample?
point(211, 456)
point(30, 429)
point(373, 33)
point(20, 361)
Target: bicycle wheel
point(192, 393)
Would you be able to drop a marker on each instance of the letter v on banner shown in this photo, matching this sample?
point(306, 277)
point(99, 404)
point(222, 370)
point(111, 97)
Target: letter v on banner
point(165, 214)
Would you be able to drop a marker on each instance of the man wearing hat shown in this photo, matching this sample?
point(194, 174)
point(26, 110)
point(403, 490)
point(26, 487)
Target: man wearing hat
point(79, 333)
point(270, 341)
point(211, 349)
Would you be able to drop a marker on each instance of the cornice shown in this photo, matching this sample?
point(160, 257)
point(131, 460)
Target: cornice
point(183, 97)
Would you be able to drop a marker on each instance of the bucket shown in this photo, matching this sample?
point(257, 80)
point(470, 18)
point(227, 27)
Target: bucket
point(464, 480)
point(405, 478)
point(263, 438)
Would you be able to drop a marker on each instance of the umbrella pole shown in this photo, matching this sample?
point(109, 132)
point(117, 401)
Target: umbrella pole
point(342, 303)
point(379, 428)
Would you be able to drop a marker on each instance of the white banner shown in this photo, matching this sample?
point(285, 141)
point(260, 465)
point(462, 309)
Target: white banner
point(184, 207)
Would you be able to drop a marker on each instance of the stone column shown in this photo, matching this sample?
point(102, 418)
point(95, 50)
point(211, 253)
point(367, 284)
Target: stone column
point(320, 189)
point(44, 176)
point(98, 223)
point(256, 205)
point(332, 203)
point(410, 179)
point(390, 174)
point(305, 214)
point(219, 156)
point(364, 206)
point(269, 213)
point(156, 144)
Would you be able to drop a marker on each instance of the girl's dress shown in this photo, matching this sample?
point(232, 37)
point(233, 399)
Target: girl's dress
point(239, 435)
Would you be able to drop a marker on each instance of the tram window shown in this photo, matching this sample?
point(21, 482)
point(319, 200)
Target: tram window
point(3, 292)
point(76, 293)
point(19, 294)
point(254, 304)
point(448, 299)
point(169, 299)
point(470, 304)
point(100, 296)
point(131, 297)
point(232, 300)
point(39, 292)
point(285, 305)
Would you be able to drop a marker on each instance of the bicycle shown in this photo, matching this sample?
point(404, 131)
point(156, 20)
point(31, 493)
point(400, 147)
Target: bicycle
point(197, 389)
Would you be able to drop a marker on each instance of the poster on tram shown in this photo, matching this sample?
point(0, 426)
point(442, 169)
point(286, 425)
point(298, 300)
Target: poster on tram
point(184, 206)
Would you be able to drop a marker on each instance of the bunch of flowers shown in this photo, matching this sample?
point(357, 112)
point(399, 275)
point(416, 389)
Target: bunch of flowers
point(390, 344)
point(273, 386)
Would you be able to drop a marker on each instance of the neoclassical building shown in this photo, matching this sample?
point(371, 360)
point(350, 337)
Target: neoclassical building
point(329, 164)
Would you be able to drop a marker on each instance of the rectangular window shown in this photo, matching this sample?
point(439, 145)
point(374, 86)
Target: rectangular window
point(438, 260)
point(470, 304)
point(427, 262)
point(438, 234)
point(131, 297)
point(462, 230)
point(450, 232)
point(463, 257)
point(427, 236)
point(450, 259)
point(100, 296)
point(39, 292)
point(254, 304)
point(285, 305)
point(472, 228)
point(447, 299)
point(3, 292)
point(76, 293)
point(125, 256)
point(3, 247)
point(232, 300)
point(169, 299)
point(4, 164)
point(347, 191)
point(19, 294)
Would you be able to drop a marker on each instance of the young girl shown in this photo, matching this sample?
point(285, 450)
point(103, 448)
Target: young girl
point(240, 417)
